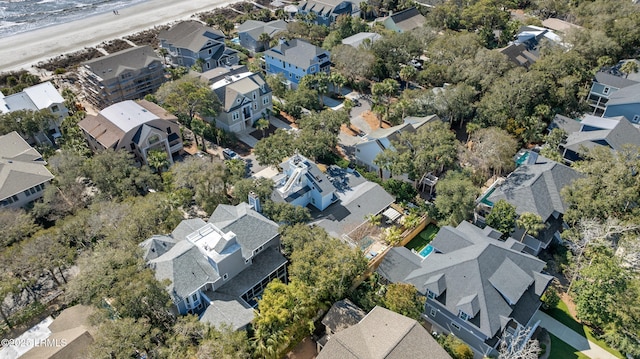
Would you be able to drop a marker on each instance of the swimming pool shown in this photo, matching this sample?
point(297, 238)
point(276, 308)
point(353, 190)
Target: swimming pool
point(426, 251)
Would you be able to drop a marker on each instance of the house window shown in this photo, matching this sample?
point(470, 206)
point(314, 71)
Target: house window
point(455, 325)
point(606, 90)
point(297, 77)
point(254, 96)
point(432, 312)
point(430, 294)
point(169, 130)
point(238, 100)
point(153, 139)
point(636, 118)
point(208, 65)
point(255, 105)
point(54, 108)
point(265, 100)
point(132, 146)
point(209, 51)
point(235, 115)
point(462, 315)
point(290, 75)
point(247, 261)
point(195, 297)
point(225, 276)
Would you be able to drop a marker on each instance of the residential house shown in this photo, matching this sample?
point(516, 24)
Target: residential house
point(71, 334)
point(624, 102)
point(191, 43)
point(218, 268)
point(245, 97)
point(327, 11)
point(137, 127)
point(560, 26)
point(295, 59)
point(39, 97)
point(525, 49)
point(614, 133)
point(379, 140)
point(340, 199)
point(535, 187)
point(250, 31)
point(361, 38)
point(383, 334)
point(478, 288)
point(405, 20)
point(342, 315)
point(605, 83)
point(129, 74)
point(23, 172)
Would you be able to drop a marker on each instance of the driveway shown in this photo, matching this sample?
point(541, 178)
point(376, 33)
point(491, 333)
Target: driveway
point(570, 337)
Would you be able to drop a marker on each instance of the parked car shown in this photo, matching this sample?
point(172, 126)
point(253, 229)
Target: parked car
point(229, 154)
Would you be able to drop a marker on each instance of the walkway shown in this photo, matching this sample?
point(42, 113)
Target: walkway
point(570, 337)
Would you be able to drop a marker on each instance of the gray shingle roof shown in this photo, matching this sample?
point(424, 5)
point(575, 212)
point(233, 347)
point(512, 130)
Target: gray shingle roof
point(186, 268)
point(608, 79)
point(255, 28)
point(226, 309)
point(383, 334)
point(156, 246)
point(568, 124)
point(191, 35)
point(21, 166)
point(251, 228)
point(623, 133)
point(536, 188)
point(408, 19)
point(132, 59)
point(487, 269)
point(342, 315)
point(627, 95)
point(357, 39)
point(296, 52)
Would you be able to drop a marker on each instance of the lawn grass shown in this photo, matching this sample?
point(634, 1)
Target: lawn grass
point(562, 350)
point(423, 238)
point(561, 314)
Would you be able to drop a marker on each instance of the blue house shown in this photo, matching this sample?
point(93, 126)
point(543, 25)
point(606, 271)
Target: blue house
point(605, 84)
point(625, 102)
point(295, 59)
point(327, 11)
point(249, 33)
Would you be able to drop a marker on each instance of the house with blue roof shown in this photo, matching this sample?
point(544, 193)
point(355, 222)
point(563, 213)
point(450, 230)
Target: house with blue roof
point(295, 59)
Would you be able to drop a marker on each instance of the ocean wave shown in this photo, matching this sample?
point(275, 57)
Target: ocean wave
point(28, 15)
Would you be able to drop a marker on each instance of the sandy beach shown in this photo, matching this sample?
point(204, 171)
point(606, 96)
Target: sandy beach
point(25, 49)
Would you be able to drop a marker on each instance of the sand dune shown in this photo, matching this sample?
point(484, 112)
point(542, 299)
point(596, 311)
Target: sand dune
point(23, 50)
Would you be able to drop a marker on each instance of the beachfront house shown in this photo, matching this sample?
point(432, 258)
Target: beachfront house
point(295, 59)
point(138, 127)
point(250, 33)
point(478, 288)
point(23, 172)
point(325, 12)
point(244, 95)
point(129, 74)
point(40, 97)
point(605, 84)
point(219, 268)
point(195, 45)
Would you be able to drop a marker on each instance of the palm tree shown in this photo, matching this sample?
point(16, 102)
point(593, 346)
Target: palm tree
point(408, 73)
point(262, 124)
point(382, 93)
point(374, 219)
point(264, 39)
point(531, 223)
point(364, 9)
point(198, 126)
point(338, 80)
point(163, 52)
point(158, 160)
point(629, 67)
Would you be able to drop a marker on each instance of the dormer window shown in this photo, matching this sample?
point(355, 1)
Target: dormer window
point(430, 294)
point(462, 315)
point(606, 90)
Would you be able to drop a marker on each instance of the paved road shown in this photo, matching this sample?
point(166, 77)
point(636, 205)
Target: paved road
point(572, 338)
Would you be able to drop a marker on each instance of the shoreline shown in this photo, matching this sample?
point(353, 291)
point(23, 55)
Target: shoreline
point(23, 50)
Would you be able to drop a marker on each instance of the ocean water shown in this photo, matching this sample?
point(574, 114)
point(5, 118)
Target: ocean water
point(17, 16)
